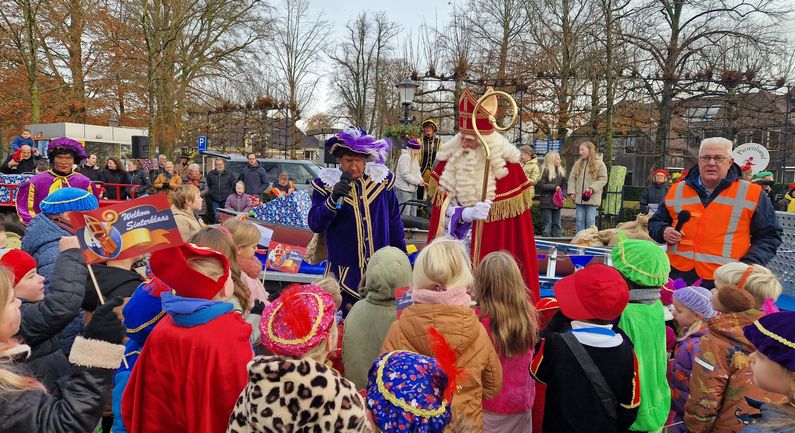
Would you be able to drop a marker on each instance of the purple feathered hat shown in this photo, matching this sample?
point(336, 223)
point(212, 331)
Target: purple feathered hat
point(63, 145)
point(774, 336)
point(413, 144)
point(359, 142)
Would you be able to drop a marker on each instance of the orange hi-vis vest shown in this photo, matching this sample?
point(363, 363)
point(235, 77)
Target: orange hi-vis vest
point(717, 234)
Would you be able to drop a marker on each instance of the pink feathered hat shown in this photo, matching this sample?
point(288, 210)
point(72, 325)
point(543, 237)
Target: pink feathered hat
point(298, 321)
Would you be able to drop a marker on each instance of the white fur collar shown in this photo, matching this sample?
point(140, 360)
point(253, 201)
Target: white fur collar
point(376, 172)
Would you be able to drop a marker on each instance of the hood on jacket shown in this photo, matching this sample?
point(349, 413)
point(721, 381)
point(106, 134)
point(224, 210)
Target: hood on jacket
point(112, 281)
point(729, 327)
point(458, 324)
point(41, 231)
point(387, 270)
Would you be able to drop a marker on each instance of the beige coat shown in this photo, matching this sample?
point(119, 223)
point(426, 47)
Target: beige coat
point(187, 222)
point(476, 355)
point(581, 179)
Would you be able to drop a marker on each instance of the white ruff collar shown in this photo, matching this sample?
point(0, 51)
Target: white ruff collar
point(376, 172)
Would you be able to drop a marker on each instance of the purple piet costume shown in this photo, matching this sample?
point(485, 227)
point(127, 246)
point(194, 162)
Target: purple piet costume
point(369, 218)
point(32, 192)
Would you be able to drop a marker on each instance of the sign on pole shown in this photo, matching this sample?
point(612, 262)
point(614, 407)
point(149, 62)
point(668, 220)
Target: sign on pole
point(753, 154)
point(202, 143)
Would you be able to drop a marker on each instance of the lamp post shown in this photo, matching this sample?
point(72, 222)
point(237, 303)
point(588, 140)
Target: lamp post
point(407, 89)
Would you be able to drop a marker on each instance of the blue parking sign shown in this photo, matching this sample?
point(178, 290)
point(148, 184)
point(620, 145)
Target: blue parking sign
point(202, 143)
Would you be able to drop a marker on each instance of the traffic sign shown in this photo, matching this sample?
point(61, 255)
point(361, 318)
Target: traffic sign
point(202, 143)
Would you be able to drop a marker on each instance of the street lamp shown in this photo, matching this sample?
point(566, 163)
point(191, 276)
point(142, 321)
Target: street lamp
point(406, 89)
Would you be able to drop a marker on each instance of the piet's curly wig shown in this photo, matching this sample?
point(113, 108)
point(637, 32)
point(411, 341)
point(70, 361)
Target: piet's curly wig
point(63, 145)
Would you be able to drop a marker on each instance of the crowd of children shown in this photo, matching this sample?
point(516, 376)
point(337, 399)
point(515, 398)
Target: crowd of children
point(206, 350)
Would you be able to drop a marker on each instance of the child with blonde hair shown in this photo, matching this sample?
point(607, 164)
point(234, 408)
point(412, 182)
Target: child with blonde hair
point(27, 406)
point(239, 201)
point(512, 324)
point(692, 309)
point(722, 378)
point(246, 235)
point(293, 387)
point(440, 282)
point(761, 283)
point(331, 286)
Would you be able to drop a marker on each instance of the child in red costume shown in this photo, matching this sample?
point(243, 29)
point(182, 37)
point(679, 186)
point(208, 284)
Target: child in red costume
point(193, 366)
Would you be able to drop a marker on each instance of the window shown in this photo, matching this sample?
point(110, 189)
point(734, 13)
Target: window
point(298, 173)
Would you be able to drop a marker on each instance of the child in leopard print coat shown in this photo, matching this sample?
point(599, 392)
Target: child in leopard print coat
point(293, 389)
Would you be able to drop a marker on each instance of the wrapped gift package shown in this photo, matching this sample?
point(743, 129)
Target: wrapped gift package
point(11, 179)
point(291, 210)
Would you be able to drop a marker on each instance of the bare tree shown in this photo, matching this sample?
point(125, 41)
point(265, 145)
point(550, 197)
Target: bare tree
point(497, 24)
point(19, 22)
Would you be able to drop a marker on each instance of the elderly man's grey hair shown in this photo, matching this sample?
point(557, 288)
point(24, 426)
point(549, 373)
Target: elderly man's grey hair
point(194, 166)
point(726, 143)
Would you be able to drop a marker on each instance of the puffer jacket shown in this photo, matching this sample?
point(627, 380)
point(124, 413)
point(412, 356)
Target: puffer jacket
point(533, 173)
point(83, 397)
point(722, 377)
point(187, 222)
point(42, 321)
point(255, 178)
point(239, 202)
point(369, 319)
point(580, 179)
point(679, 374)
point(138, 177)
point(546, 189)
point(407, 172)
point(460, 326)
point(220, 185)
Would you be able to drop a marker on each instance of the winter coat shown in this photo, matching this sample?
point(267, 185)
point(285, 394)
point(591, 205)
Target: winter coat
point(407, 172)
point(679, 374)
point(653, 194)
point(370, 318)
point(138, 177)
point(89, 172)
point(167, 183)
point(43, 320)
point(255, 178)
point(114, 177)
point(765, 231)
point(580, 179)
point(518, 388)
point(239, 202)
point(220, 185)
point(461, 328)
point(25, 165)
point(722, 376)
point(782, 416)
point(533, 173)
point(546, 189)
point(187, 222)
point(790, 197)
point(83, 397)
point(21, 141)
point(112, 281)
point(201, 184)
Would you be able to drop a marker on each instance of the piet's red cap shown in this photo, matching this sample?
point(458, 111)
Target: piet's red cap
point(594, 292)
point(171, 266)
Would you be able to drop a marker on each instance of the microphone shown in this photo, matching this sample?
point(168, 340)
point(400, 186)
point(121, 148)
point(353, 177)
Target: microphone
point(346, 177)
point(681, 219)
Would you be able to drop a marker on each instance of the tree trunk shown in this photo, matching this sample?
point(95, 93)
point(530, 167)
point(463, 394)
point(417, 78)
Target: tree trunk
point(607, 6)
point(32, 64)
point(75, 50)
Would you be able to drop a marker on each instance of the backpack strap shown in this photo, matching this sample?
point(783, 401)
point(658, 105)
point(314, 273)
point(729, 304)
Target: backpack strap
point(593, 374)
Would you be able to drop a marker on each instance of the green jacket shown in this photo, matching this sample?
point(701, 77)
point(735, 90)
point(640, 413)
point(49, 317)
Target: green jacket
point(368, 321)
point(644, 324)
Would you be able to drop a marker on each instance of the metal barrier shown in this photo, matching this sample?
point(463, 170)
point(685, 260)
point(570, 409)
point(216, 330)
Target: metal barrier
point(783, 263)
point(556, 251)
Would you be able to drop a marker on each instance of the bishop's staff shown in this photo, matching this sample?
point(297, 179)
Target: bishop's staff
point(490, 93)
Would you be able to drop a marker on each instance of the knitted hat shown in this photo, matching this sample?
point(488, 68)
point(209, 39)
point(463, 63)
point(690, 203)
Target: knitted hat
point(405, 393)
point(171, 266)
point(18, 262)
point(774, 336)
point(297, 321)
point(642, 262)
point(359, 142)
point(662, 172)
point(594, 292)
point(697, 300)
point(68, 200)
point(297, 395)
point(413, 144)
point(62, 145)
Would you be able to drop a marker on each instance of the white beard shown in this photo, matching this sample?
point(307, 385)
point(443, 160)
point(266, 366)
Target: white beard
point(463, 175)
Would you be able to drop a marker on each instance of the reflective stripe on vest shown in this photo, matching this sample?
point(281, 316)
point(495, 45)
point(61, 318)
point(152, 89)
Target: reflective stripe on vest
point(700, 249)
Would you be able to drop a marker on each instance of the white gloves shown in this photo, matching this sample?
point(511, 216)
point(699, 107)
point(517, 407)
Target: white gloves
point(480, 211)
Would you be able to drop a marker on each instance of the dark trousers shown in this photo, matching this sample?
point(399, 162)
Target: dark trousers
point(213, 210)
point(551, 220)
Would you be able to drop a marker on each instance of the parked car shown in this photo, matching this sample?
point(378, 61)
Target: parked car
point(301, 172)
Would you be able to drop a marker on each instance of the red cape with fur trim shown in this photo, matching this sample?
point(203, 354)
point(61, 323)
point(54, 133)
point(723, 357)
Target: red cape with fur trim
point(188, 379)
point(510, 225)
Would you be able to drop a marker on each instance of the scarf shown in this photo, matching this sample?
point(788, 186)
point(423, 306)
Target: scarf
point(644, 296)
point(457, 296)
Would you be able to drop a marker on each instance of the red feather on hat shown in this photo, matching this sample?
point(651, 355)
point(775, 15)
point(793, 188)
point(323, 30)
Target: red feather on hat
point(295, 312)
point(447, 358)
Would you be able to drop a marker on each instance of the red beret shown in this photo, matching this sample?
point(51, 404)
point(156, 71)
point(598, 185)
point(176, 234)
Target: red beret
point(171, 266)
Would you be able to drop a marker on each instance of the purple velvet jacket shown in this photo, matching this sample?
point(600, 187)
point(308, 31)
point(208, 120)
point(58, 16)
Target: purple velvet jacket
point(38, 187)
point(679, 374)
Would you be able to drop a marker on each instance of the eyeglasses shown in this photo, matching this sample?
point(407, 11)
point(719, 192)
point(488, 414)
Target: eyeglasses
point(717, 159)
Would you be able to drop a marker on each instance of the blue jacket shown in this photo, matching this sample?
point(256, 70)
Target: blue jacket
point(351, 238)
point(765, 229)
point(19, 142)
point(255, 178)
